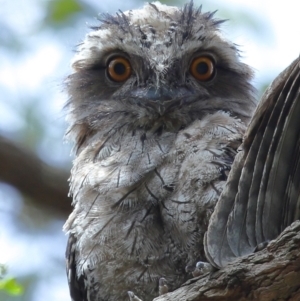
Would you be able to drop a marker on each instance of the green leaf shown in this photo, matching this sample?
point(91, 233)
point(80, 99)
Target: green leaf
point(11, 286)
point(61, 10)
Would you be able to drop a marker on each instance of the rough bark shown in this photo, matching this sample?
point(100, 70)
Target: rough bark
point(270, 274)
point(43, 185)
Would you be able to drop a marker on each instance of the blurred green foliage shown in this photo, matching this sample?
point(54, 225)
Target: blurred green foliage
point(60, 11)
point(8, 284)
point(11, 286)
point(61, 14)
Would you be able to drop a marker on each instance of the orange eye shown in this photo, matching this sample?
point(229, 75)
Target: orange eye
point(202, 68)
point(119, 69)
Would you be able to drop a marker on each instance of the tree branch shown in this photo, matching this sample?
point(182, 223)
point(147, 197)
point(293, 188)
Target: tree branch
point(270, 274)
point(45, 185)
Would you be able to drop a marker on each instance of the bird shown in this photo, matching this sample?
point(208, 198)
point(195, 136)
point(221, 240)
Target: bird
point(158, 103)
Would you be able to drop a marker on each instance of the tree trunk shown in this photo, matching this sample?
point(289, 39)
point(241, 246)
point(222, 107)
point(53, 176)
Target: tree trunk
point(270, 274)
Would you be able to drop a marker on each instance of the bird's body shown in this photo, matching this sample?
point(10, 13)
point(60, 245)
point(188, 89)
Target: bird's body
point(153, 147)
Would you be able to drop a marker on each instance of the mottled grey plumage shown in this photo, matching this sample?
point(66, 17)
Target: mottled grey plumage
point(152, 151)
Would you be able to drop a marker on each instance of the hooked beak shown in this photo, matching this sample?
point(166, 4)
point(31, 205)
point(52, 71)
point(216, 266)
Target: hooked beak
point(160, 99)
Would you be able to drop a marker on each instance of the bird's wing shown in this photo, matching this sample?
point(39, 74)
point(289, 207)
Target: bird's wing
point(262, 193)
point(76, 285)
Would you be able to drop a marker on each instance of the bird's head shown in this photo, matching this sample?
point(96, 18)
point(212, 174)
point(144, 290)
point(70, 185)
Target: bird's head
point(158, 66)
